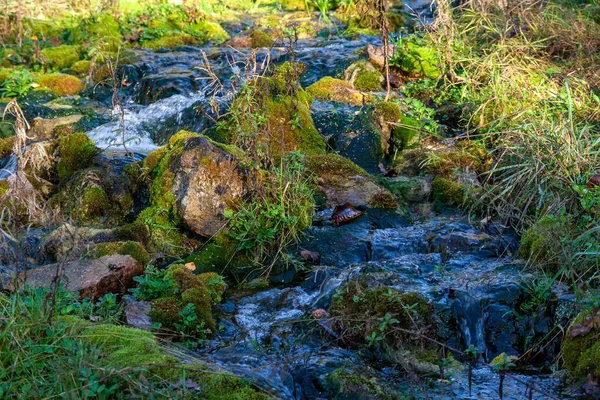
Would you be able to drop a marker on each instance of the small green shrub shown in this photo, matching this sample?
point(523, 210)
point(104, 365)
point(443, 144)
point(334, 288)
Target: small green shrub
point(153, 285)
point(17, 84)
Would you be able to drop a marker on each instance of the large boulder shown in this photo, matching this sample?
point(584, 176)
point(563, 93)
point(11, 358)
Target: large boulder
point(207, 181)
point(90, 278)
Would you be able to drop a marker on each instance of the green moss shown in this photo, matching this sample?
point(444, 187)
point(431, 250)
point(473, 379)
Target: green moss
point(360, 26)
point(171, 41)
point(384, 200)
point(60, 84)
point(61, 57)
point(368, 81)
point(136, 232)
point(467, 156)
point(333, 164)
point(102, 30)
point(413, 55)
point(6, 146)
point(165, 311)
point(360, 309)
point(261, 39)
point(207, 31)
point(123, 345)
point(388, 111)
point(94, 203)
point(164, 236)
point(76, 152)
point(133, 249)
point(81, 67)
point(540, 242)
point(581, 355)
point(331, 89)
point(221, 255)
point(291, 128)
point(447, 192)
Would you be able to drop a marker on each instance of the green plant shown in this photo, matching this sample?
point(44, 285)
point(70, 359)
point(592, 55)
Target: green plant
point(264, 226)
point(18, 84)
point(153, 285)
point(189, 324)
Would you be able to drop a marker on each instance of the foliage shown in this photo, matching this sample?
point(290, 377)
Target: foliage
point(276, 218)
point(153, 285)
point(17, 84)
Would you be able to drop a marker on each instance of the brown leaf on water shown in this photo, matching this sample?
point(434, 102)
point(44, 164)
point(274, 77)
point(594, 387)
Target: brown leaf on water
point(585, 326)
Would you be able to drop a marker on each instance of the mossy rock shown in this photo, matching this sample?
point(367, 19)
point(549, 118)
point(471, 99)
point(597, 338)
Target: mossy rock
point(344, 383)
point(414, 55)
point(94, 203)
point(221, 254)
point(466, 156)
point(581, 355)
point(76, 152)
point(81, 68)
point(360, 308)
point(60, 84)
point(100, 30)
point(133, 249)
point(368, 81)
point(123, 345)
point(164, 234)
point(291, 128)
point(332, 89)
point(207, 31)
point(261, 39)
point(447, 192)
point(539, 243)
point(333, 164)
point(171, 41)
point(60, 57)
point(5, 74)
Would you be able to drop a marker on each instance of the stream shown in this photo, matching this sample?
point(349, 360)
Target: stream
point(467, 269)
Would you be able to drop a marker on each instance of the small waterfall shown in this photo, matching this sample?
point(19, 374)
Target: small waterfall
point(468, 311)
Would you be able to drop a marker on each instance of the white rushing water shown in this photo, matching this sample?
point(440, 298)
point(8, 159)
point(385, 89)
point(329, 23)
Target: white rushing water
point(137, 135)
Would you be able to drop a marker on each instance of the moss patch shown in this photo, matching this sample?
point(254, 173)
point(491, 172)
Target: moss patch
point(333, 164)
point(81, 67)
point(6, 146)
point(447, 192)
point(581, 355)
point(94, 203)
point(540, 242)
point(261, 39)
point(368, 81)
point(76, 152)
point(61, 57)
point(60, 84)
point(133, 249)
point(331, 89)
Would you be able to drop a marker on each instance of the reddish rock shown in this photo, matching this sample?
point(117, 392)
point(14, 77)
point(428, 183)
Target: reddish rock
point(90, 278)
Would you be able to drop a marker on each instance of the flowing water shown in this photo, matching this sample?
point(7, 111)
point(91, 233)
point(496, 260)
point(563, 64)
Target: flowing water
point(267, 335)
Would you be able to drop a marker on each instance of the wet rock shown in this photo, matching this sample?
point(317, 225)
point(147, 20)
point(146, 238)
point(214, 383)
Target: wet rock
point(457, 237)
point(160, 86)
point(90, 278)
point(341, 181)
point(207, 180)
point(351, 133)
point(137, 313)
